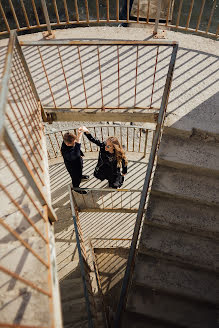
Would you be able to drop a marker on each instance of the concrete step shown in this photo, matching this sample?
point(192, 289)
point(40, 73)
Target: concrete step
point(183, 215)
point(74, 311)
point(168, 277)
point(80, 324)
point(71, 289)
point(136, 320)
point(197, 251)
point(187, 185)
point(176, 311)
point(181, 152)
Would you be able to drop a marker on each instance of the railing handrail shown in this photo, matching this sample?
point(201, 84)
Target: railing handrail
point(101, 126)
point(81, 261)
point(107, 20)
point(107, 189)
point(155, 145)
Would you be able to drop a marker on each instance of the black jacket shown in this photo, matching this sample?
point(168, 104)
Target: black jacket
point(107, 166)
point(73, 160)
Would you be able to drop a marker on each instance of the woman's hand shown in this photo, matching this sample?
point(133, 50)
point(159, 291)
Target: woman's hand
point(83, 129)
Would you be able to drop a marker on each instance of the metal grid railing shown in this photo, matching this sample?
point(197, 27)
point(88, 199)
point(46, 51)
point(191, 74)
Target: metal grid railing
point(134, 139)
point(194, 16)
point(84, 266)
point(107, 200)
point(144, 195)
point(126, 77)
point(25, 209)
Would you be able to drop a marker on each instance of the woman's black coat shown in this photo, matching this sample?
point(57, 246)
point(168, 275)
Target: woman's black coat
point(107, 166)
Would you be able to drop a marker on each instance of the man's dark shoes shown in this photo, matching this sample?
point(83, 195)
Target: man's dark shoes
point(85, 177)
point(81, 191)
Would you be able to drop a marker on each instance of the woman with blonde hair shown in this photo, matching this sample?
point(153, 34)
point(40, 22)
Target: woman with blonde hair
point(111, 159)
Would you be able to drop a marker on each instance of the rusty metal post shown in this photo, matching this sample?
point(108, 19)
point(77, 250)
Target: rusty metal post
point(49, 34)
point(157, 16)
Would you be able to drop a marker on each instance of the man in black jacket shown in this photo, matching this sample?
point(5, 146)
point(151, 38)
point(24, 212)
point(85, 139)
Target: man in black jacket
point(72, 155)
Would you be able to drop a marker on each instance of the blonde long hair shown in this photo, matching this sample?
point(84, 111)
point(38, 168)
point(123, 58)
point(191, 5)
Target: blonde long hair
point(119, 151)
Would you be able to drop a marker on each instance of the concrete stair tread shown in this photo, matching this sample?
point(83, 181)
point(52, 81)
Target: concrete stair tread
point(186, 215)
point(186, 185)
point(173, 310)
point(180, 246)
point(71, 289)
point(176, 151)
point(168, 277)
point(74, 311)
point(80, 324)
point(136, 320)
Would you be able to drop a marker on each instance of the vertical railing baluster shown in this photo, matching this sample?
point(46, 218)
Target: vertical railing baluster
point(189, 15)
point(82, 76)
point(168, 12)
point(56, 11)
point(127, 139)
point(76, 10)
point(138, 11)
point(200, 15)
point(136, 76)
point(179, 13)
point(145, 144)
point(117, 10)
point(98, 11)
point(148, 11)
point(107, 11)
point(140, 140)
point(44, 68)
point(66, 11)
point(155, 69)
point(87, 11)
point(118, 78)
point(25, 13)
point(127, 11)
point(14, 14)
point(4, 17)
point(101, 85)
point(210, 18)
point(66, 83)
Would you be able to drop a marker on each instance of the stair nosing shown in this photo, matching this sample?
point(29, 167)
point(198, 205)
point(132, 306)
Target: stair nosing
point(172, 293)
point(176, 259)
point(157, 192)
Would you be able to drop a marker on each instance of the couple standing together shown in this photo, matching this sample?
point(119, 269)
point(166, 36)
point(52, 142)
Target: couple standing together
point(111, 159)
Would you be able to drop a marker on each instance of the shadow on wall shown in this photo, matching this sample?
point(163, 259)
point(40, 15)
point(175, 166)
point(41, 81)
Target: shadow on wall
point(194, 97)
point(204, 119)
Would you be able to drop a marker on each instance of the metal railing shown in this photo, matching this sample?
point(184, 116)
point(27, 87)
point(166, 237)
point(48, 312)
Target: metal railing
point(83, 260)
point(87, 80)
point(178, 14)
point(107, 200)
point(25, 205)
point(134, 139)
point(145, 194)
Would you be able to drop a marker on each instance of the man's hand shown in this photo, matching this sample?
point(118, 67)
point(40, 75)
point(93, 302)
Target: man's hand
point(79, 135)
